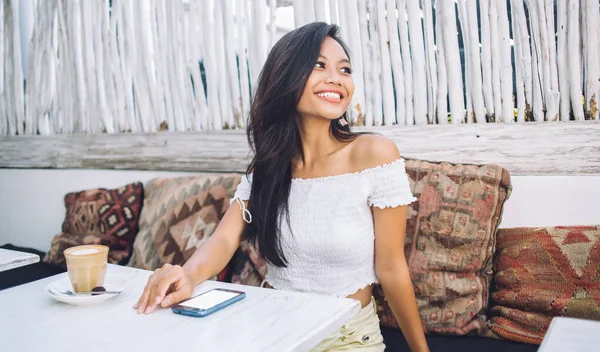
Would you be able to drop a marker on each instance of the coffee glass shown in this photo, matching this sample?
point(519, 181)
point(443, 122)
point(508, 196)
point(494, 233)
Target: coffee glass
point(86, 266)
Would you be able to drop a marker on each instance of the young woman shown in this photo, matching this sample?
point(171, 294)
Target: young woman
point(326, 207)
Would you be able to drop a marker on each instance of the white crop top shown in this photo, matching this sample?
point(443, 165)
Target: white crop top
point(332, 249)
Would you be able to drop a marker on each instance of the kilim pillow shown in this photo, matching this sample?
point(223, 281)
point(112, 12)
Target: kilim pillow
point(62, 241)
point(449, 243)
point(180, 214)
point(541, 273)
point(243, 271)
point(100, 216)
point(248, 267)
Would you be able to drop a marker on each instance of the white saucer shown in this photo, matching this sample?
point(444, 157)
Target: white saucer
point(111, 283)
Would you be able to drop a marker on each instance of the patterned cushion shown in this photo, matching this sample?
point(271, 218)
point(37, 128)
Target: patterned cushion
point(63, 241)
point(248, 267)
point(449, 243)
point(243, 271)
point(100, 216)
point(180, 214)
point(541, 273)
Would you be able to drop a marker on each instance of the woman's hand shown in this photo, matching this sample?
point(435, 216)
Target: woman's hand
point(172, 284)
point(167, 286)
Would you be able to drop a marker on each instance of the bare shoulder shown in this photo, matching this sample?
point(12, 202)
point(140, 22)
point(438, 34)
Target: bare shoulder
point(371, 150)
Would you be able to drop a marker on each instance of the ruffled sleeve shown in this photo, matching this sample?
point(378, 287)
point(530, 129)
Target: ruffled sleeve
point(243, 189)
point(243, 193)
point(389, 185)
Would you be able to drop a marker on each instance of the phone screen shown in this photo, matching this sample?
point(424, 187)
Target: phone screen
point(209, 299)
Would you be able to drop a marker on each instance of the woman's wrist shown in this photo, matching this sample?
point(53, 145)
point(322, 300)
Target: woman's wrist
point(194, 273)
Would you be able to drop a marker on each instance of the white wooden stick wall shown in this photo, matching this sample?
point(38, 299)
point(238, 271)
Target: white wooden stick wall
point(134, 66)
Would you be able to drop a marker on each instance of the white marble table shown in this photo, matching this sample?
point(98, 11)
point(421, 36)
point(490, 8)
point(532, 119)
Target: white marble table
point(13, 259)
point(571, 334)
point(266, 320)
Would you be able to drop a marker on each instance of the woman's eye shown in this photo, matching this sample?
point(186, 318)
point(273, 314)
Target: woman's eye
point(319, 64)
point(346, 70)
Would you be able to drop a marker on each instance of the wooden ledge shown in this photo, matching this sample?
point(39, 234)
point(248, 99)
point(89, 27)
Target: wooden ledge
point(548, 148)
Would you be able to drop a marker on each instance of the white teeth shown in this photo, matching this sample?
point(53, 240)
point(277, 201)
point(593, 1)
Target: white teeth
point(329, 95)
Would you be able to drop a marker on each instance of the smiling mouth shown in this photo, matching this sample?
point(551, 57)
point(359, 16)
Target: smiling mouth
point(330, 96)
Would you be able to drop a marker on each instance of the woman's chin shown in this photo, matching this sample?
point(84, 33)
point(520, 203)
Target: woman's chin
point(326, 115)
point(332, 115)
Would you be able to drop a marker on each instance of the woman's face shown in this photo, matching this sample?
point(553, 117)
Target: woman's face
point(329, 88)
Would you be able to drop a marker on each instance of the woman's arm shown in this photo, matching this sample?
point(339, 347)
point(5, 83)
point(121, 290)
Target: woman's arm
point(172, 283)
point(210, 258)
point(394, 277)
point(390, 227)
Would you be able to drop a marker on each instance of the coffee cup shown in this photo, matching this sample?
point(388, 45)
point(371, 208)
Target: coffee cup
point(86, 266)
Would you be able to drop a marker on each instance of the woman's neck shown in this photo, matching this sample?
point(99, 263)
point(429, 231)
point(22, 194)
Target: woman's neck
point(316, 138)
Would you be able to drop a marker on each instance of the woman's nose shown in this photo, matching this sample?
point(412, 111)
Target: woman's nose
point(333, 78)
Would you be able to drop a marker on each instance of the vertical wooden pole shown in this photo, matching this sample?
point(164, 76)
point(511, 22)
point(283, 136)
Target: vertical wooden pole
point(320, 7)
point(406, 63)
point(367, 67)
point(375, 57)
point(231, 61)
point(299, 10)
point(396, 61)
point(464, 27)
point(536, 67)
point(496, 61)
point(442, 96)
point(486, 57)
point(417, 50)
point(272, 22)
point(506, 82)
point(387, 87)
point(592, 61)
point(242, 57)
point(574, 47)
point(457, 107)
point(553, 110)
point(520, 79)
point(563, 55)
point(333, 17)
point(430, 57)
point(476, 80)
point(210, 63)
point(354, 33)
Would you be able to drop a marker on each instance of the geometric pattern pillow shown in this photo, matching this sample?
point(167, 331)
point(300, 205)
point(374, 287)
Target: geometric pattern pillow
point(541, 273)
point(180, 214)
point(63, 241)
point(100, 216)
point(243, 272)
point(248, 267)
point(450, 238)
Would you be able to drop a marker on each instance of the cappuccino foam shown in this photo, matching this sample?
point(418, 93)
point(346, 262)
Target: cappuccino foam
point(85, 251)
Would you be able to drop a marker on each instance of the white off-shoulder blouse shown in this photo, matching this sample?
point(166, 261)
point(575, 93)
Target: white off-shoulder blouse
point(330, 246)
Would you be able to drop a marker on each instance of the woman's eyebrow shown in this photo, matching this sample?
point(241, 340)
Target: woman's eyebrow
point(342, 60)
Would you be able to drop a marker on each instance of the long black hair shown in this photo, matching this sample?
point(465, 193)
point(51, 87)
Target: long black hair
point(274, 136)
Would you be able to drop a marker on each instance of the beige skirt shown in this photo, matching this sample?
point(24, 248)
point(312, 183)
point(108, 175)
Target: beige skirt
point(361, 333)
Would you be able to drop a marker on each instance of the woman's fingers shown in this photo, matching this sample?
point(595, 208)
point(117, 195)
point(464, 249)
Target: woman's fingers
point(142, 303)
point(174, 298)
point(158, 286)
point(153, 297)
point(171, 277)
point(183, 290)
